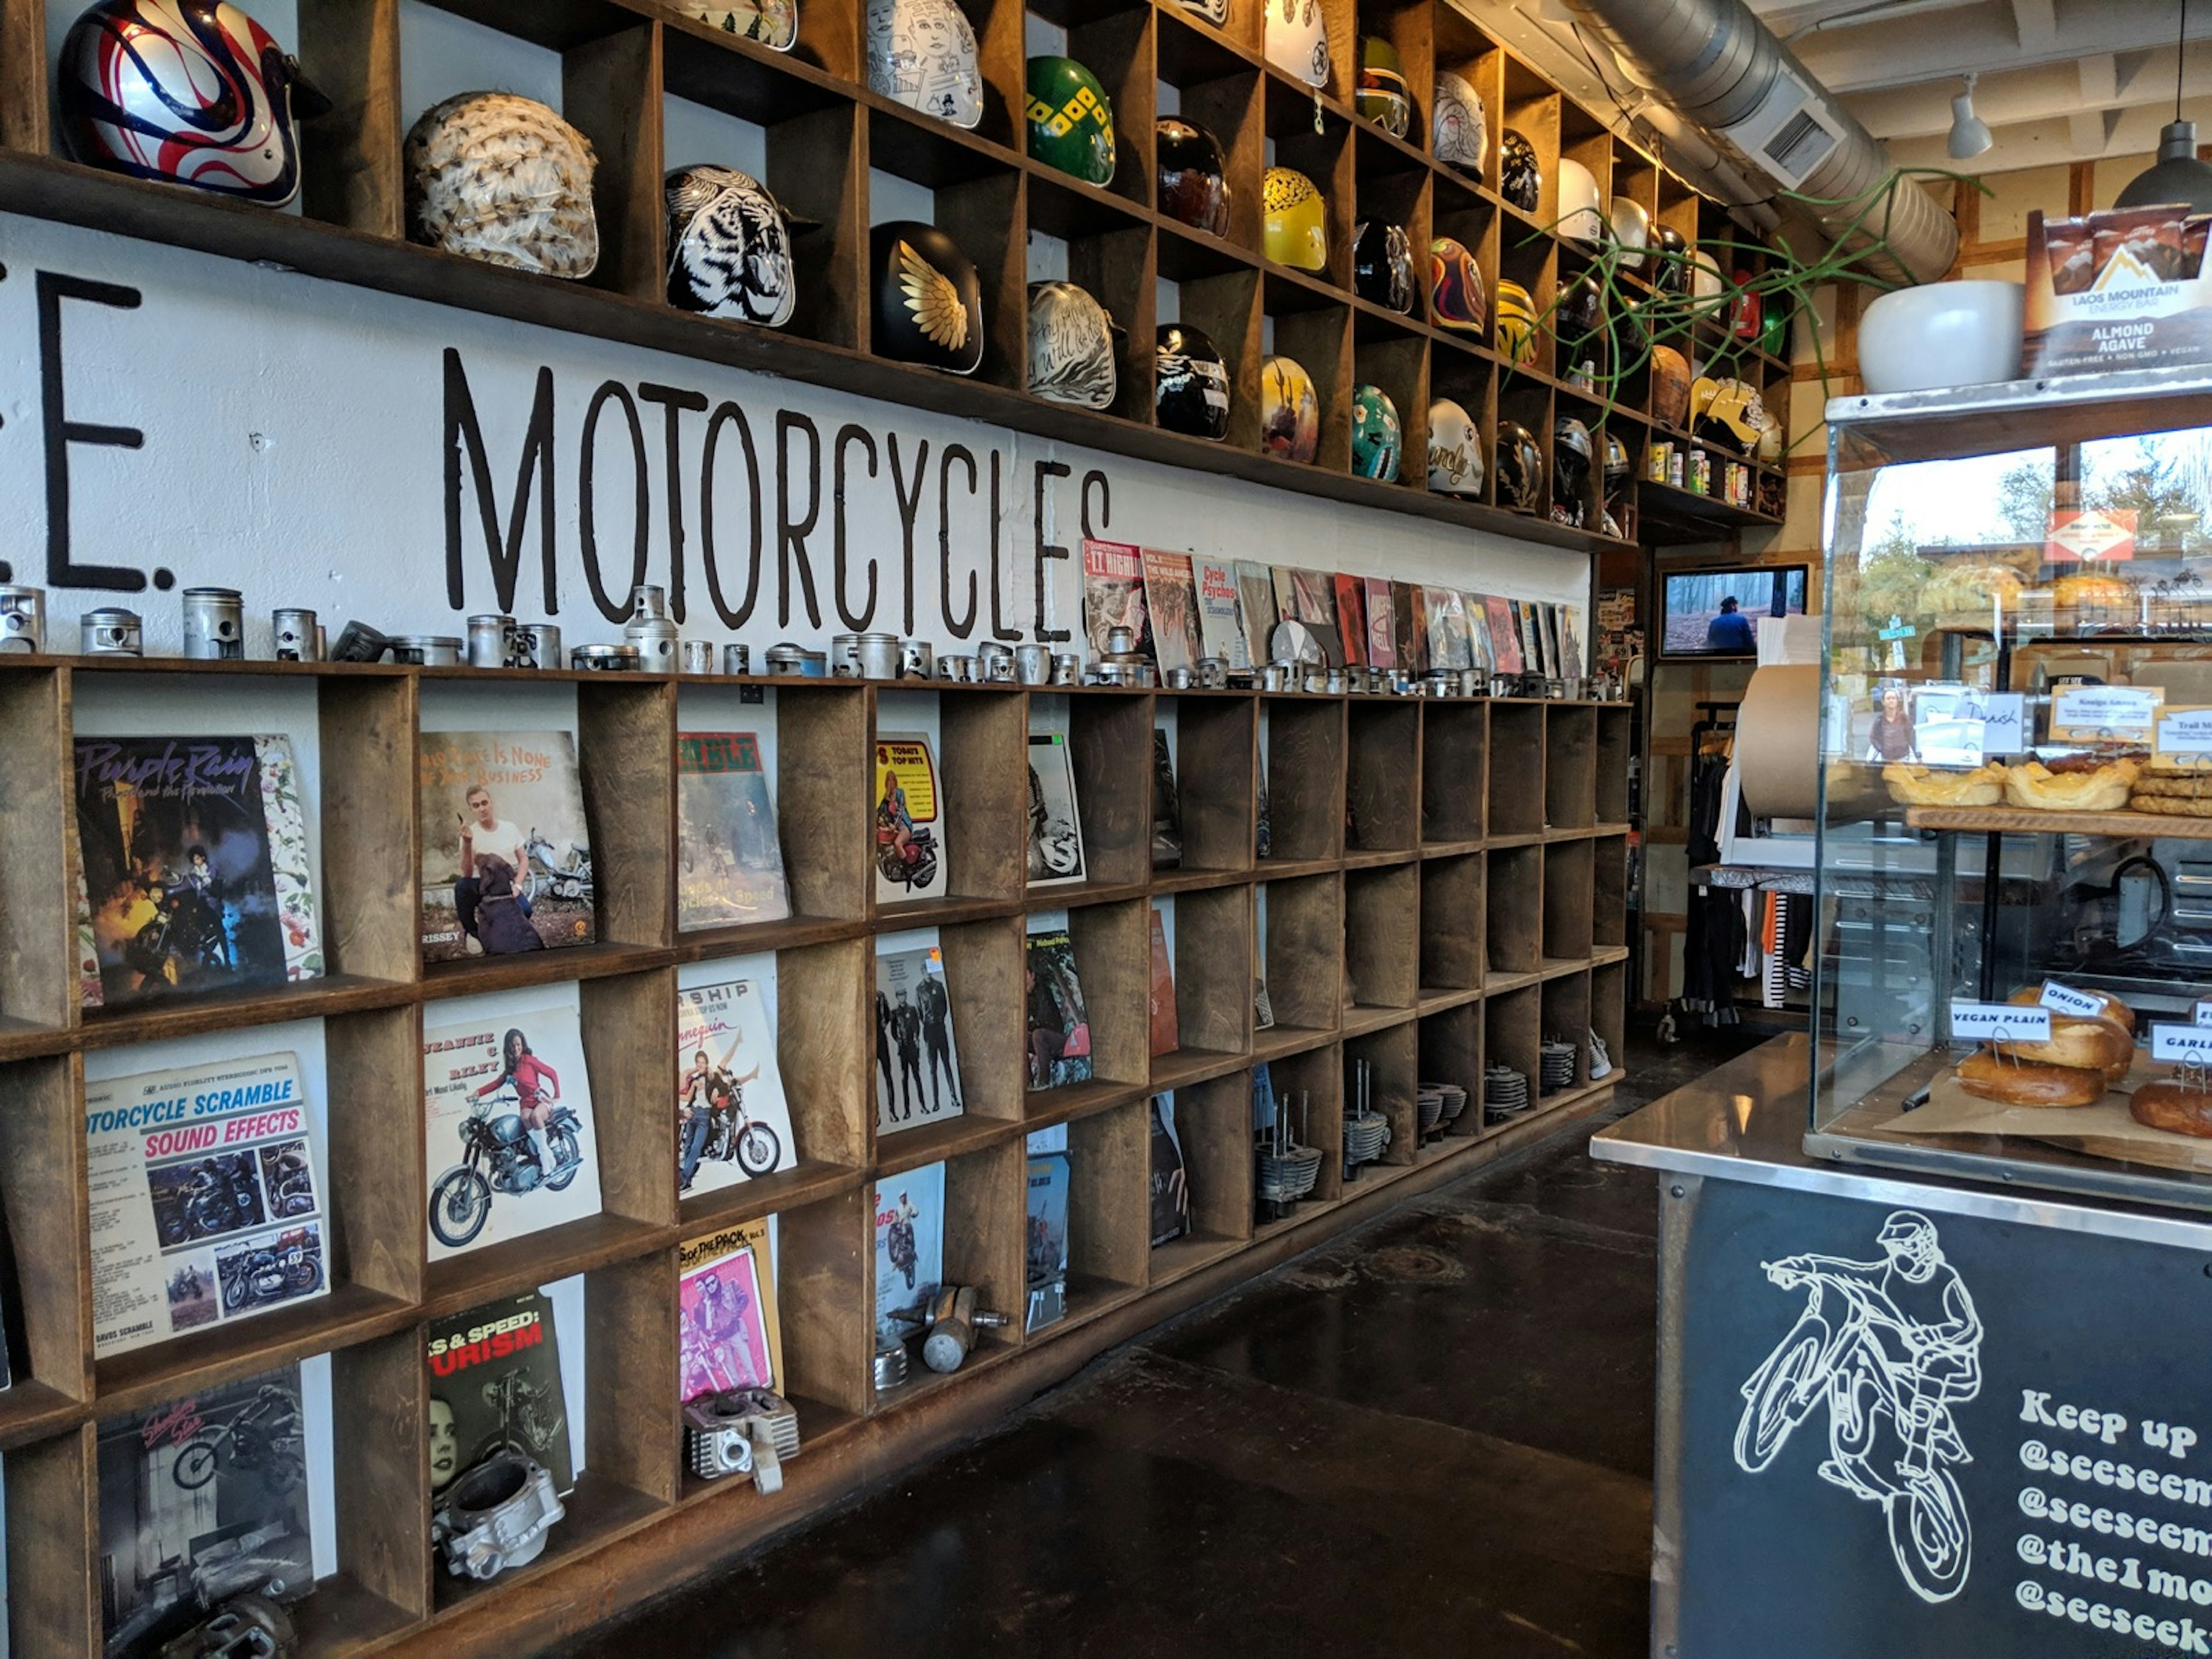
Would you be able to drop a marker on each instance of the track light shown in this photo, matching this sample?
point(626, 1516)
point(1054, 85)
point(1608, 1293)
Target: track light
point(2177, 175)
point(1970, 134)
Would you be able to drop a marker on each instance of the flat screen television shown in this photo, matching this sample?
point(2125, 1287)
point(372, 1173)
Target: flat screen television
point(1714, 613)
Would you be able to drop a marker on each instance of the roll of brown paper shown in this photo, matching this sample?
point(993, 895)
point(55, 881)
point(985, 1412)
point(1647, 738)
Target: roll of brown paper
point(1777, 742)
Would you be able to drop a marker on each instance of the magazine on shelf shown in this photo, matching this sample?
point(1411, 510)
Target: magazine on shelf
point(91, 988)
point(1411, 626)
point(1572, 659)
point(506, 859)
point(1167, 1035)
point(495, 1380)
point(727, 1336)
point(1264, 1102)
point(1504, 638)
point(1113, 594)
point(1256, 609)
point(507, 1123)
point(1483, 649)
point(1532, 647)
point(206, 1196)
point(195, 863)
point(1263, 832)
point(917, 1059)
point(1286, 596)
point(1055, 830)
point(731, 863)
point(1382, 625)
point(1450, 644)
point(1059, 1028)
point(1313, 593)
point(1220, 631)
point(733, 1119)
point(911, 831)
point(1167, 806)
point(1044, 1265)
point(1169, 1182)
point(1171, 602)
point(201, 1499)
point(1352, 620)
point(909, 1247)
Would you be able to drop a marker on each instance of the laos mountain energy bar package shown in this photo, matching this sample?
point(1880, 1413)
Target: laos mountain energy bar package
point(2124, 289)
point(206, 1192)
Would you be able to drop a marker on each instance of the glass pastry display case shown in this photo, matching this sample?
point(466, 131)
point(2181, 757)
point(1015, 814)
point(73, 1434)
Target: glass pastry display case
point(2013, 968)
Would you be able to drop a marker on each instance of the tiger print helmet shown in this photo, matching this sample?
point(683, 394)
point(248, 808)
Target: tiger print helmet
point(729, 248)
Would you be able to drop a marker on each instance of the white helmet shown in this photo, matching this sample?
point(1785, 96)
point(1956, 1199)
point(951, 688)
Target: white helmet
point(922, 52)
point(1298, 39)
point(1456, 466)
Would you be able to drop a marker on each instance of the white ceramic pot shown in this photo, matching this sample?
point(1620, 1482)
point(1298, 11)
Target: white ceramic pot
point(1941, 334)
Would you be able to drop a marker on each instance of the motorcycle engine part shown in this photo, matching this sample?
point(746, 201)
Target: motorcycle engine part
point(650, 629)
point(606, 659)
point(1033, 662)
point(1067, 668)
point(729, 248)
point(1457, 299)
point(23, 619)
point(954, 1320)
point(1459, 125)
point(496, 1516)
point(770, 23)
point(956, 668)
point(929, 301)
point(994, 663)
point(1298, 39)
point(248, 1626)
point(716, 1440)
point(185, 92)
point(1290, 411)
point(427, 650)
point(359, 642)
point(1516, 323)
point(892, 1367)
point(785, 658)
point(1381, 96)
point(111, 631)
point(917, 659)
point(504, 179)
point(1191, 391)
point(1378, 437)
point(215, 624)
point(922, 54)
point(1383, 265)
point(1297, 230)
point(697, 657)
point(1520, 468)
point(1520, 174)
point(1072, 356)
point(1193, 182)
point(1456, 463)
point(737, 659)
point(541, 646)
point(1071, 119)
point(297, 634)
point(492, 641)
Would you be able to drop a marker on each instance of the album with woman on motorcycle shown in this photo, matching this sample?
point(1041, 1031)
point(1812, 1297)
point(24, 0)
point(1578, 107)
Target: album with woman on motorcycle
point(207, 1196)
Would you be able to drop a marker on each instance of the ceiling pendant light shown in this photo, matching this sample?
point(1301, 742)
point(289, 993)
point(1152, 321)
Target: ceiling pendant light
point(2177, 175)
point(1970, 134)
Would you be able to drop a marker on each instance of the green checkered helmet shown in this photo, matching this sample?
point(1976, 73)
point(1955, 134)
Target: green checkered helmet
point(1071, 119)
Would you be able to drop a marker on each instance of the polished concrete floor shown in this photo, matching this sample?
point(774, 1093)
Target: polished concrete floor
point(1431, 1437)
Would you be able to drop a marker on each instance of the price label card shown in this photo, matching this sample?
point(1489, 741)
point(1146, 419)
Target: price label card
point(2185, 737)
point(2004, 725)
point(2001, 1022)
point(2065, 999)
point(2087, 713)
point(2181, 1042)
point(2204, 1015)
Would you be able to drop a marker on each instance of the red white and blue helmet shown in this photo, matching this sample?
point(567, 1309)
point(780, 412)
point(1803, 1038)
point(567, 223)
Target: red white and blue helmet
point(188, 92)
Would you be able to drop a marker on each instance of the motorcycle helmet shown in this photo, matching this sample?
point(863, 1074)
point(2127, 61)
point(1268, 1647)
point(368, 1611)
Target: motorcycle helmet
point(771, 23)
point(1581, 219)
point(729, 248)
point(922, 54)
point(1190, 390)
point(1459, 125)
point(1727, 413)
point(1378, 437)
point(1215, 12)
point(1298, 39)
point(1631, 230)
point(1383, 265)
point(1571, 470)
point(1381, 96)
point(1457, 299)
point(1748, 317)
point(1520, 468)
point(929, 303)
point(1908, 1239)
point(504, 179)
point(1520, 175)
point(1774, 326)
point(1071, 347)
point(1071, 119)
point(1670, 387)
point(1456, 466)
point(187, 92)
point(1669, 274)
point(1298, 222)
point(1615, 476)
point(1290, 411)
point(1578, 323)
point(1194, 178)
point(1516, 323)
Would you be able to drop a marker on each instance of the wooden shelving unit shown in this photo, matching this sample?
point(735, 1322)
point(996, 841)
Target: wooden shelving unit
point(825, 138)
point(1393, 927)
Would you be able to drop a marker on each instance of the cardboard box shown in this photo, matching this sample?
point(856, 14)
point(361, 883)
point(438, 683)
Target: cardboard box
point(2124, 289)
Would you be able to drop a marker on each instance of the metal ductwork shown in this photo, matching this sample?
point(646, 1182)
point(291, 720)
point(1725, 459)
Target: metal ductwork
point(1721, 71)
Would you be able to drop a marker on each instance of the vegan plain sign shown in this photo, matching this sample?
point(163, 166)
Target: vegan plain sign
point(170, 419)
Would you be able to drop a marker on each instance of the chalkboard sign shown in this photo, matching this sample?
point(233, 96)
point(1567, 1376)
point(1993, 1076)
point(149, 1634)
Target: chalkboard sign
point(1908, 1433)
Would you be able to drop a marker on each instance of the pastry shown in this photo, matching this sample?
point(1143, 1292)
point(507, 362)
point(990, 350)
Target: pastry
point(2104, 789)
point(2092, 592)
point(2180, 1108)
point(2111, 1007)
point(2196, 807)
point(1923, 785)
point(2019, 1083)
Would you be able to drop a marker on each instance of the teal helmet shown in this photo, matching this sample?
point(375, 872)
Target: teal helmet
point(1378, 438)
point(1071, 119)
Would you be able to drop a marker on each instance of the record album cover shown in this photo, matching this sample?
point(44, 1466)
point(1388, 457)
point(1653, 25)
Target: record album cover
point(1055, 830)
point(1313, 593)
point(1059, 1028)
point(1167, 1034)
point(1113, 594)
point(1505, 637)
point(917, 1059)
point(733, 1121)
point(1221, 633)
point(1167, 808)
point(1044, 1268)
point(1170, 1183)
point(508, 1125)
point(731, 865)
point(910, 828)
point(1256, 608)
point(728, 1336)
point(1412, 627)
point(1171, 601)
point(507, 860)
point(1484, 650)
point(1352, 619)
point(495, 1386)
point(1382, 625)
point(195, 863)
point(909, 1229)
point(1450, 644)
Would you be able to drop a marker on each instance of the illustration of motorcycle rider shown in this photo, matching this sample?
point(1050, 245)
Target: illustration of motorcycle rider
point(936, 1039)
point(708, 1089)
point(894, 823)
point(535, 1088)
point(1932, 1315)
point(205, 887)
point(905, 1031)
